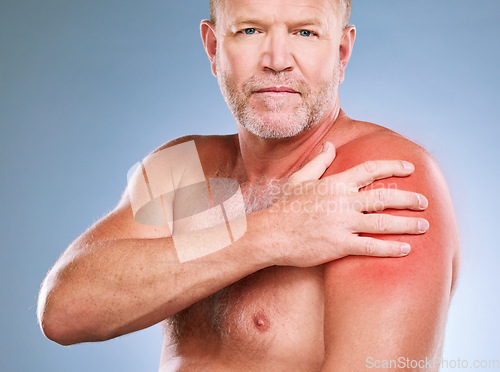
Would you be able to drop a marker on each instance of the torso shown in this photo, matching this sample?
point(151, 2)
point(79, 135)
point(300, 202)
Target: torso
point(258, 323)
point(271, 320)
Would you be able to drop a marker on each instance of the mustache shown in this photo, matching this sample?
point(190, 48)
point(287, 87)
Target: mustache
point(258, 82)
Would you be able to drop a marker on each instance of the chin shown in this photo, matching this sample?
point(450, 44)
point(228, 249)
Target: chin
point(275, 130)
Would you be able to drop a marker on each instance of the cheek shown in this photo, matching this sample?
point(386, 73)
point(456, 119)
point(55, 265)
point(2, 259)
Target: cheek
point(239, 61)
point(316, 62)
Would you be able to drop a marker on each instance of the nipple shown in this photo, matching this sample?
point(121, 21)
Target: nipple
point(261, 322)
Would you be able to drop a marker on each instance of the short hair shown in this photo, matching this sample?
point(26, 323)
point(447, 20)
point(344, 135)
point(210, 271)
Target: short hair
point(345, 4)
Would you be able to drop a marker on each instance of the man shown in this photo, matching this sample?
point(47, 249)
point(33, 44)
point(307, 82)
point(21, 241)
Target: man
point(282, 295)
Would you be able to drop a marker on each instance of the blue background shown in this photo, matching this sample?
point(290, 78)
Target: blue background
point(87, 88)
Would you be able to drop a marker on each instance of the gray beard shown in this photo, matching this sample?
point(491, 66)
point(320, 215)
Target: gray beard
point(314, 105)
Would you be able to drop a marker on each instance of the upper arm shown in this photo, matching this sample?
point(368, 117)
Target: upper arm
point(386, 308)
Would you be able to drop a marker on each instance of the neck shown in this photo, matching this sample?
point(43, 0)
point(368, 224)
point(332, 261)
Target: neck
point(280, 158)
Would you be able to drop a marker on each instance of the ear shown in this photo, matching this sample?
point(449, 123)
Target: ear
point(209, 38)
point(345, 49)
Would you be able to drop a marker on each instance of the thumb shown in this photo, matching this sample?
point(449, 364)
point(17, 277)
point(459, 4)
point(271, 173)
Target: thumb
point(316, 167)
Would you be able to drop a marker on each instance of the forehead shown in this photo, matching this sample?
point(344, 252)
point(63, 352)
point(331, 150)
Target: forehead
point(318, 11)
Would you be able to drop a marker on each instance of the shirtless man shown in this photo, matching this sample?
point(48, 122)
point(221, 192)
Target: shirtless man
point(297, 292)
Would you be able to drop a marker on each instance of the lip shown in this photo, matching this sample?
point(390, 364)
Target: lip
point(277, 89)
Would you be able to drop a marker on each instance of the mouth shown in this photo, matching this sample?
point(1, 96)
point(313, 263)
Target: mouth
point(277, 90)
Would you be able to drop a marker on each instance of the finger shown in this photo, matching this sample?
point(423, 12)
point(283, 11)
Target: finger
point(365, 246)
point(316, 167)
point(379, 223)
point(379, 199)
point(366, 173)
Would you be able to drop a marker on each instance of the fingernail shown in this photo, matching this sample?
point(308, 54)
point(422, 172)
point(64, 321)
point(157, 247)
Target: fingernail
point(422, 202)
point(423, 225)
point(408, 166)
point(326, 146)
point(405, 248)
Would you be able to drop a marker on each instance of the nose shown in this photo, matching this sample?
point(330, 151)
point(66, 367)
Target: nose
point(277, 56)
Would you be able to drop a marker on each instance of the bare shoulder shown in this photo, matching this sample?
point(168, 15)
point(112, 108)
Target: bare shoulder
point(374, 142)
point(439, 248)
point(372, 139)
point(216, 152)
point(203, 154)
point(394, 306)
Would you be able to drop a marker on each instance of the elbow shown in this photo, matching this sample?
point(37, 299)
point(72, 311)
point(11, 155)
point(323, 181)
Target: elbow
point(54, 321)
point(65, 312)
point(65, 327)
point(57, 333)
point(59, 320)
point(54, 325)
point(61, 330)
point(67, 323)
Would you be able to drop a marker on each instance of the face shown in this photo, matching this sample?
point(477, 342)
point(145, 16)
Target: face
point(277, 63)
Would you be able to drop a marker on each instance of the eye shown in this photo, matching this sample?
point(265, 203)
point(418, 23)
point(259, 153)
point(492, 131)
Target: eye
point(249, 31)
point(305, 33)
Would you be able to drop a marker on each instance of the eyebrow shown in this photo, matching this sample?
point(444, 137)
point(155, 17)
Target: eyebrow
point(307, 22)
point(255, 21)
point(242, 20)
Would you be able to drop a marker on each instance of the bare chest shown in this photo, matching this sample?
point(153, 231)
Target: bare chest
point(272, 313)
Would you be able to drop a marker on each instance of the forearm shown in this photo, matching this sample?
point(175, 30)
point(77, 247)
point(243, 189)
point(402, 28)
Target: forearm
point(119, 286)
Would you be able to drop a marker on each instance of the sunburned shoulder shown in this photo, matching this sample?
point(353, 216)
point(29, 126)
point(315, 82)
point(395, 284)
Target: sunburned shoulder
point(427, 179)
point(393, 306)
point(441, 242)
point(374, 142)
